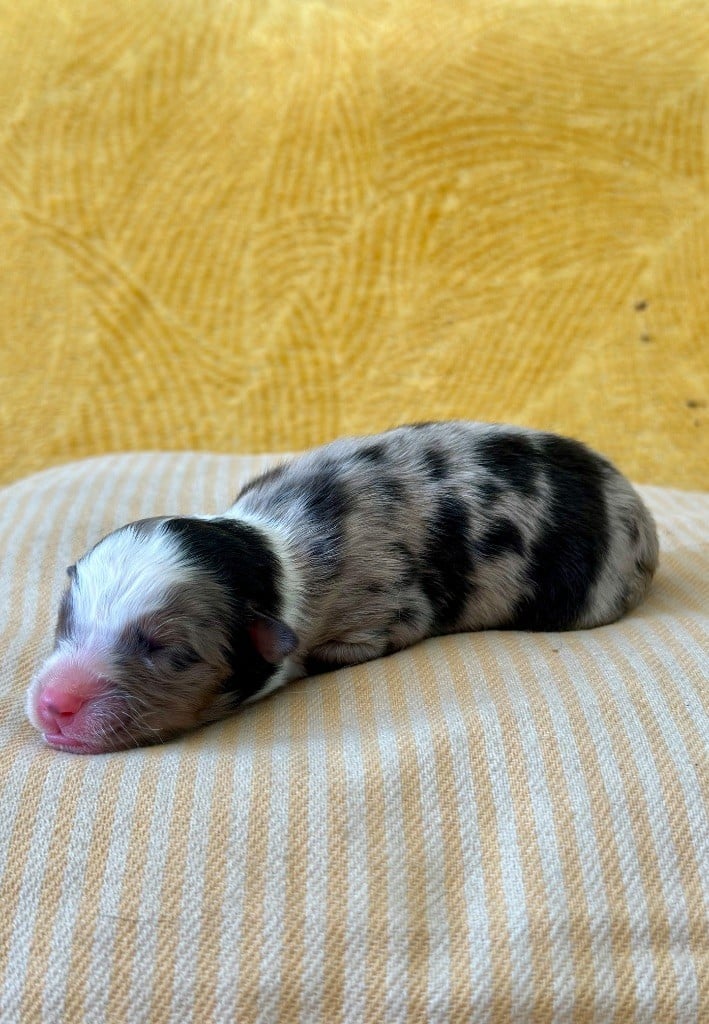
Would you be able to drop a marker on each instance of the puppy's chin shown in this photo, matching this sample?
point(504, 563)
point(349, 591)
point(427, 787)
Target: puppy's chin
point(104, 745)
point(73, 746)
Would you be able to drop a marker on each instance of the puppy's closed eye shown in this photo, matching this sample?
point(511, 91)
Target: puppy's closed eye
point(152, 648)
point(138, 640)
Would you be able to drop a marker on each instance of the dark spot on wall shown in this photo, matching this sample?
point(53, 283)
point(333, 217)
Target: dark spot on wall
point(695, 403)
point(644, 337)
point(567, 556)
point(446, 563)
point(511, 458)
point(640, 305)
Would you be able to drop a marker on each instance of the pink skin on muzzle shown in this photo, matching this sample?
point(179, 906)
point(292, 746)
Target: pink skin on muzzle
point(64, 705)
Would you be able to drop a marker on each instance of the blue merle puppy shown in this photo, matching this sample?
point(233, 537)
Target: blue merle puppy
point(346, 553)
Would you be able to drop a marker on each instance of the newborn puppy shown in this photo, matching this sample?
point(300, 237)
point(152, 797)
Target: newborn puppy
point(349, 552)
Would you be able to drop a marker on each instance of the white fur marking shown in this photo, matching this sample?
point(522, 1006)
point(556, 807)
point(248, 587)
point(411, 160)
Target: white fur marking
point(127, 575)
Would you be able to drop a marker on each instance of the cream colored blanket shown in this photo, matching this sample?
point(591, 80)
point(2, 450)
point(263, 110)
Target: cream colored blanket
point(494, 827)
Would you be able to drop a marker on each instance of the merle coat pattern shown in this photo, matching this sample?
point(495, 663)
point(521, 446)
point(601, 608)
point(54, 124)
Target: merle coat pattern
point(346, 553)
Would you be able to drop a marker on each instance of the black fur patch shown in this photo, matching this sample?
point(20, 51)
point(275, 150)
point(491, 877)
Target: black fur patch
point(318, 666)
point(502, 538)
point(374, 453)
point(436, 463)
point(406, 616)
point(325, 552)
point(568, 556)
point(239, 558)
point(446, 563)
point(326, 498)
point(490, 490)
point(393, 490)
point(323, 496)
point(512, 458)
point(327, 504)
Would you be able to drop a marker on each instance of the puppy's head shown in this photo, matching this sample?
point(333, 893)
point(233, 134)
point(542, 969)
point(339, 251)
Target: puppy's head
point(165, 624)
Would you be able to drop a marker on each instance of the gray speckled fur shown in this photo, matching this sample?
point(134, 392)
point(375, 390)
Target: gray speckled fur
point(348, 552)
point(358, 557)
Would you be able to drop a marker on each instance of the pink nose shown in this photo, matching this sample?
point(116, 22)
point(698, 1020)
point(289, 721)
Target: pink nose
point(58, 706)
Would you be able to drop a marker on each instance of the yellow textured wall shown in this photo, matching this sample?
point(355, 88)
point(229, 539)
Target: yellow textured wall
point(253, 226)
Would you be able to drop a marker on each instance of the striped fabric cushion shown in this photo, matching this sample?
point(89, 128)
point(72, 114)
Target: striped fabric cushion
point(489, 827)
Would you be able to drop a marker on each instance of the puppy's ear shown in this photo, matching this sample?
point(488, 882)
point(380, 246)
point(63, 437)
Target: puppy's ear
point(71, 572)
point(273, 639)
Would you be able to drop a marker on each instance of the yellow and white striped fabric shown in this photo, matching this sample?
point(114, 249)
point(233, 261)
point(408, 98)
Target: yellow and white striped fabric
point(489, 827)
